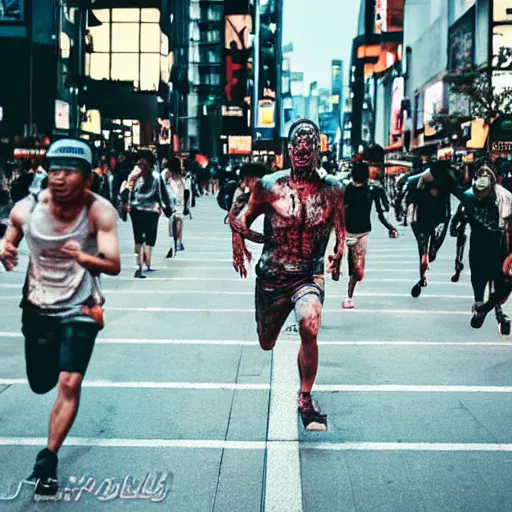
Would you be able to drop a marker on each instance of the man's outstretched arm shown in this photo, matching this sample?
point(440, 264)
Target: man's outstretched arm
point(240, 219)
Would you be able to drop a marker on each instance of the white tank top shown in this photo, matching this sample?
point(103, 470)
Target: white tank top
point(56, 283)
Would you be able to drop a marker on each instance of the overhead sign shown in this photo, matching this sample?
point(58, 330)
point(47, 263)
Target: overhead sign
point(61, 115)
point(239, 145)
point(502, 147)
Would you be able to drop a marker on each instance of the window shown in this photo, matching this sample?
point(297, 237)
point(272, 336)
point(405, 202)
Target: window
point(125, 37)
point(150, 38)
point(149, 71)
point(101, 38)
point(130, 46)
point(150, 15)
point(124, 15)
point(125, 66)
point(100, 66)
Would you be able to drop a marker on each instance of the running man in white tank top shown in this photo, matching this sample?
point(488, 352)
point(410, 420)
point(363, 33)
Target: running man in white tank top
point(71, 234)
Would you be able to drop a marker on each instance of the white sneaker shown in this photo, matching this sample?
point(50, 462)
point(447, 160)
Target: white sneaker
point(348, 304)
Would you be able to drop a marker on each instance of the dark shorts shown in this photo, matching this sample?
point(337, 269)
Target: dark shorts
point(54, 345)
point(274, 304)
point(145, 226)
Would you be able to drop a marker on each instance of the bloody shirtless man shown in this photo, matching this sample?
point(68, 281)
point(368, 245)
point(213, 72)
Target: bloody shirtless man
point(301, 210)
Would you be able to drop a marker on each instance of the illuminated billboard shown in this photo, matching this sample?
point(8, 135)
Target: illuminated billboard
point(61, 115)
point(239, 145)
point(502, 47)
point(433, 101)
point(237, 44)
point(266, 114)
point(381, 14)
point(396, 106)
point(502, 11)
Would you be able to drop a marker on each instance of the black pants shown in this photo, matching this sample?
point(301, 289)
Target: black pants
point(145, 226)
point(486, 257)
point(54, 345)
point(429, 238)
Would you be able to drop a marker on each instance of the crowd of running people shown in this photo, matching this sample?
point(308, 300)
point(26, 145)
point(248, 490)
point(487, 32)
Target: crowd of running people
point(68, 214)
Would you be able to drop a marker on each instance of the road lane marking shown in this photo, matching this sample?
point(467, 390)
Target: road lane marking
point(415, 447)
point(390, 343)
point(157, 385)
point(258, 445)
point(283, 485)
point(163, 341)
point(138, 443)
point(147, 309)
point(392, 388)
point(121, 291)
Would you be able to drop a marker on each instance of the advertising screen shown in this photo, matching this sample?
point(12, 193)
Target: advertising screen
point(239, 145)
point(502, 11)
point(433, 101)
point(502, 47)
point(237, 46)
point(266, 114)
point(396, 106)
point(11, 10)
point(61, 115)
point(461, 43)
point(381, 14)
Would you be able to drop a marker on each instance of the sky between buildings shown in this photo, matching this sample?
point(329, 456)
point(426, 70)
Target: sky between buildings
point(320, 30)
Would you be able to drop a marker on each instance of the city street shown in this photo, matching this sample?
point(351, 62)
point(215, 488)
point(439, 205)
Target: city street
point(181, 410)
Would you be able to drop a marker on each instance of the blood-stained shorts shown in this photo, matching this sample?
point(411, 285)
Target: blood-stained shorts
point(274, 303)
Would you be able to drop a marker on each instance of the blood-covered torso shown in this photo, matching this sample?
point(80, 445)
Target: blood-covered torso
point(299, 220)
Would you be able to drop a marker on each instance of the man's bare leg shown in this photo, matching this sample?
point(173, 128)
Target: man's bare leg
point(308, 311)
point(65, 409)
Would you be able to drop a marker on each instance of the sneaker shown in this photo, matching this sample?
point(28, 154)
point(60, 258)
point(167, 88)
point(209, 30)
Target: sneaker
point(306, 405)
point(139, 274)
point(181, 247)
point(170, 254)
point(312, 419)
point(44, 473)
point(504, 326)
point(478, 315)
point(348, 304)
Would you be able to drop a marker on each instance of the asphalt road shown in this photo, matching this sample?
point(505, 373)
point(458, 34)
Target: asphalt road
point(182, 411)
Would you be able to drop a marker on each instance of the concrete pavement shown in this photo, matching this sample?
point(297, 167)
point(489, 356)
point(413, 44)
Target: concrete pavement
point(180, 398)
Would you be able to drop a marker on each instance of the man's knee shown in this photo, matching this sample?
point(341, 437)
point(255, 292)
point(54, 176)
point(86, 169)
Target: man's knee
point(309, 326)
point(358, 274)
point(70, 385)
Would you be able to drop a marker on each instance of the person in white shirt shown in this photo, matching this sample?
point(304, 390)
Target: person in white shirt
point(172, 176)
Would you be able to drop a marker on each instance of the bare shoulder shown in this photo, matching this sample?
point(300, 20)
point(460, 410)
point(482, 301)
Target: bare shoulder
point(21, 211)
point(102, 213)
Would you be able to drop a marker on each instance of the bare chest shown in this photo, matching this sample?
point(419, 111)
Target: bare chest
point(302, 209)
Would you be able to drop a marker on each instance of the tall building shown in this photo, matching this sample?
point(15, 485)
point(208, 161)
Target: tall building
point(376, 52)
point(42, 48)
point(205, 74)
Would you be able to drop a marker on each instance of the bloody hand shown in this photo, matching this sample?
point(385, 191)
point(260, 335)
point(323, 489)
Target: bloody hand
point(240, 255)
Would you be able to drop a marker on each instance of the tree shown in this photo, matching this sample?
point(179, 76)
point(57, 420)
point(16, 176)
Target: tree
point(486, 102)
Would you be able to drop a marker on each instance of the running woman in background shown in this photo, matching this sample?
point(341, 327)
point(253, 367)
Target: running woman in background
point(301, 211)
point(145, 201)
point(359, 196)
point(71, 234)
point(173, 178)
